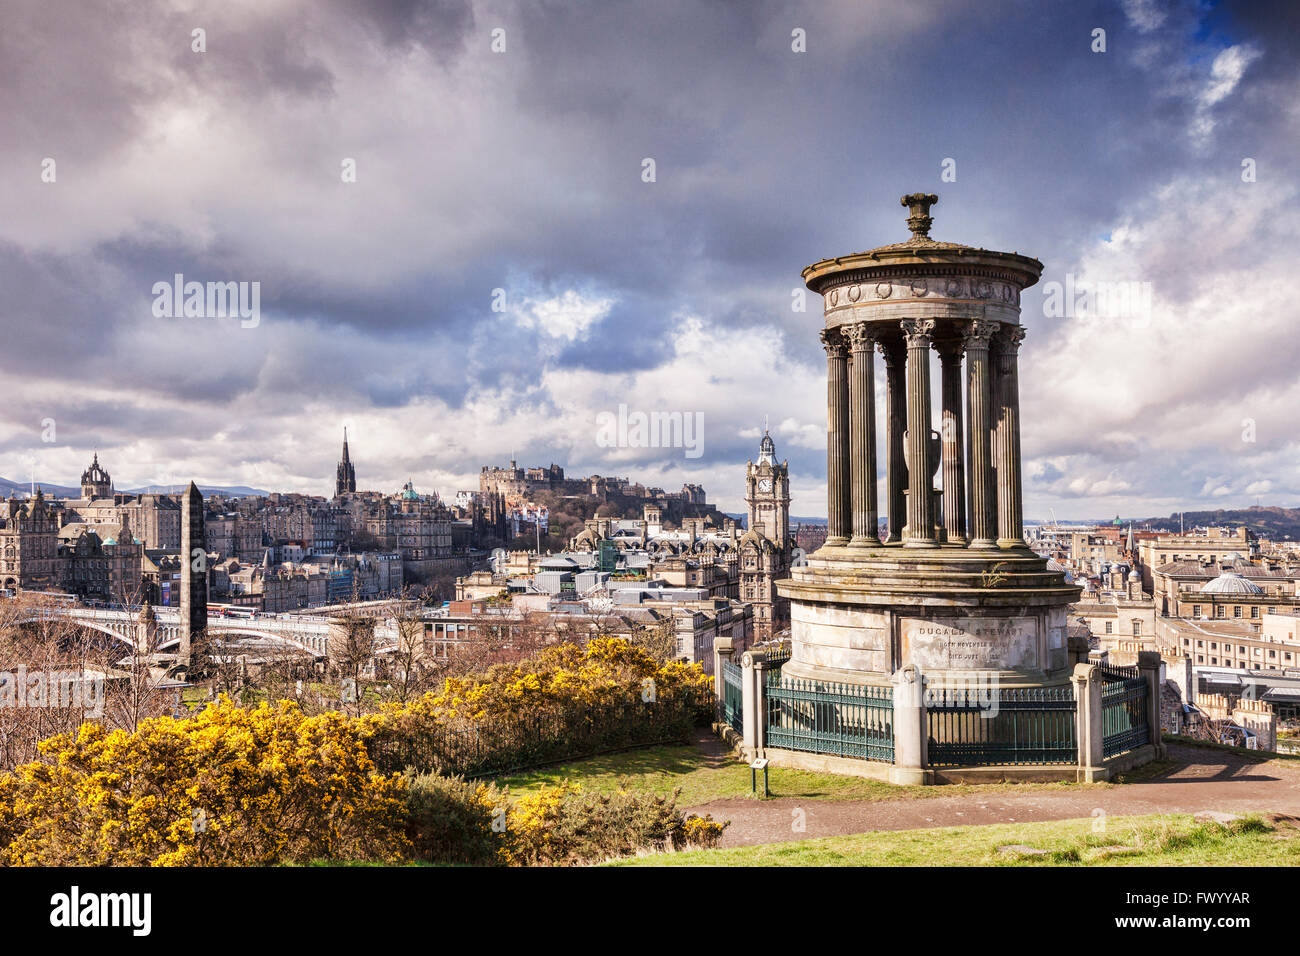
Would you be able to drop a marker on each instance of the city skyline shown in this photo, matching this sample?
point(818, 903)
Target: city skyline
point(378, 294)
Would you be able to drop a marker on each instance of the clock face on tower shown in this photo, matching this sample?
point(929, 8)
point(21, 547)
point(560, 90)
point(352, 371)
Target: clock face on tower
point(765, 484)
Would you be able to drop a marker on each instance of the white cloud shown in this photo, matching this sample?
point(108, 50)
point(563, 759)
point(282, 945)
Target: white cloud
point(1226, 72)
point(1144, 15)
point(566, 316)
point(1220, 348)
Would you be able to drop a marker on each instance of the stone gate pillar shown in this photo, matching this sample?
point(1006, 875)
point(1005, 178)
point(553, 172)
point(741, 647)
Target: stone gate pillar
point(1148, 664)
point(910, 731)
point(1088, 727)
point(722, 651)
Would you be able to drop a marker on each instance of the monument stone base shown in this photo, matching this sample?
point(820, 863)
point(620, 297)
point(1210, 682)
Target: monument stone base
point(858, 614)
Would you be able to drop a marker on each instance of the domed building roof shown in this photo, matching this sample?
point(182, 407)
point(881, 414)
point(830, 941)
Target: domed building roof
point(1135, 575)
point(1229, 582)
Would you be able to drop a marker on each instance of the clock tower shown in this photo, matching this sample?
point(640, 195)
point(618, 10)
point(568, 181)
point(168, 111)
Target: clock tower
point(766, 548)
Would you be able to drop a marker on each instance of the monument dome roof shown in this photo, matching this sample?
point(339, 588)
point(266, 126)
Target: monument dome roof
point(920, 251)
point(1229, 582)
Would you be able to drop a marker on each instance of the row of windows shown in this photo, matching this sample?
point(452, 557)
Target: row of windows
point(1220, 610)
point(1258, 651)
point(1227, 662)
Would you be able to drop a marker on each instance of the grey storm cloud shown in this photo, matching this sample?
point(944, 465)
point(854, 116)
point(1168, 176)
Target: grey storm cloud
point(522, 171)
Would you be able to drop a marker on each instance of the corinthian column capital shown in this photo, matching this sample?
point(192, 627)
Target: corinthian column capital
point(1008, 347)
point(978, 333)
point(833, 343)
point(1011, 337)
point(861, 337)
point(950, 351)
point(917, 331)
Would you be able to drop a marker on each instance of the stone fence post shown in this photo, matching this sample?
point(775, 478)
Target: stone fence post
point(1089, 730)
point(754, 666)
point(722, 651)
point(1149, 667)
point(751, 703)
point(910, 732)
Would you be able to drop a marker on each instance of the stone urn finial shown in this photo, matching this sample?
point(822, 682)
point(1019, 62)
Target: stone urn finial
point(919, 218)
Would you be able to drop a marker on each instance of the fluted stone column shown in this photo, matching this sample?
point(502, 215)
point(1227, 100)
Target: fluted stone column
point(920, 497)
point(862, 436)
point(979, 450)
point(950, 428)
point(895, 355)
point(1010, 514)
point(837, 439)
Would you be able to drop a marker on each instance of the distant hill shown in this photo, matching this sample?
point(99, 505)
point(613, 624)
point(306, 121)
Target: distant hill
point(742, 518)
point(1267, 522)
point(233, 491)
point(23, 488)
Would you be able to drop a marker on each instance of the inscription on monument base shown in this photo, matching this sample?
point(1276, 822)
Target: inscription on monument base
point(970, 643)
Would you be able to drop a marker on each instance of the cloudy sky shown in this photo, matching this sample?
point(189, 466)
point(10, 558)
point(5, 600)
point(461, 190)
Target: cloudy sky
point(500, 273)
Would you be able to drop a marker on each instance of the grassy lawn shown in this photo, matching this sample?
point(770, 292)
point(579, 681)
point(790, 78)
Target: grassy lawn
point(1156, 840)
point(702, 779)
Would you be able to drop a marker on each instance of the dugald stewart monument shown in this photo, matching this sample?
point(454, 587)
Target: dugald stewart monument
point(937, 643)
point(952, 587)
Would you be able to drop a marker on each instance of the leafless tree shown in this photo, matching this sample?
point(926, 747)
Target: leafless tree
point(352, 654)
point(411, 669)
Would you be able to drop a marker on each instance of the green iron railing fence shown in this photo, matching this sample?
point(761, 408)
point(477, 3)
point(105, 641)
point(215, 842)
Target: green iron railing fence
point(1114, 672)
point(1124, 724)
point(777, 657)
point(732, 712)
point(970, 727)
point(846, 720)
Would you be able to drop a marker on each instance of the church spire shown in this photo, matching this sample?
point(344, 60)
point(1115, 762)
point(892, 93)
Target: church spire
point(345, 476)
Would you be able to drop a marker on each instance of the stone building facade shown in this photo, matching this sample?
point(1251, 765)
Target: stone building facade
point(29, 545)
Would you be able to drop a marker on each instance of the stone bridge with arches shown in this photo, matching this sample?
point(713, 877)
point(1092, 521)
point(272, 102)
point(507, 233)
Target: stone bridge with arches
point(308, 633)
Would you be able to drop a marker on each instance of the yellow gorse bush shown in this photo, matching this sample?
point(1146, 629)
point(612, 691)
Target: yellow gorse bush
point(265, 785)
point(530, 823)
point(605, 670)
point(231, 786)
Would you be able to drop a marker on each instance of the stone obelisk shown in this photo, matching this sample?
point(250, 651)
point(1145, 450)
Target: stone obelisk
point(194, 574)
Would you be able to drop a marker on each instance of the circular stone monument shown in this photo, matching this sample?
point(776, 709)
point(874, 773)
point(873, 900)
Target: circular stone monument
point(948, 584)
